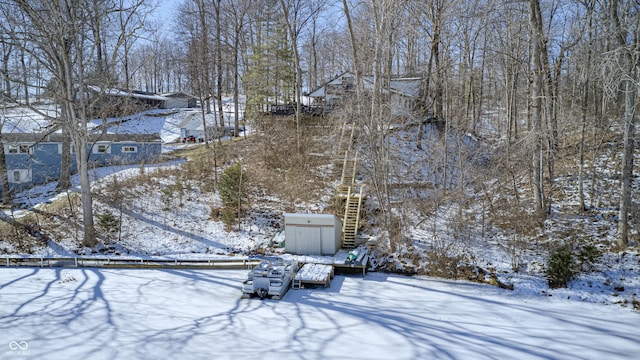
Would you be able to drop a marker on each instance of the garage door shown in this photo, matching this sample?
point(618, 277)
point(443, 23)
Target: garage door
point(308, 241)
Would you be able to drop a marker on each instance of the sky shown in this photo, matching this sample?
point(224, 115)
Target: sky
point(199, 314)
point(164, 13)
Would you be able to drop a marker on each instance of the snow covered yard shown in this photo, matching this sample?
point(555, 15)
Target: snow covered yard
point(198, 314)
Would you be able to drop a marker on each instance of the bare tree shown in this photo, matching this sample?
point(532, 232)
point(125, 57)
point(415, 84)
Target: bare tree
point(585, 78)
point(297, 15)
point(217, 11)
point(539, 46)
point(60, 38)
point(6, 192)
point(623, 64)
point(238, 13)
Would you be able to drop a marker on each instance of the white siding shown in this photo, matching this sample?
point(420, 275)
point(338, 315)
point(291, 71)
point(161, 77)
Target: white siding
point(312, 234)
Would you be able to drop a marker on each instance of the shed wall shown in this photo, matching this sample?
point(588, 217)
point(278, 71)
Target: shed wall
point(312, 234)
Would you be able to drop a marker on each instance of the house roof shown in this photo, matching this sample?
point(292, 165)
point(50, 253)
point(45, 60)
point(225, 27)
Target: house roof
point(57, 138)
point(194, 121)
point(178, 94)
point(320, 91)
point(125, 93)
point(409, 87)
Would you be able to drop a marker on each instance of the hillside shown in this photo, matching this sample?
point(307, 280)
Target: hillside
point(477, 229)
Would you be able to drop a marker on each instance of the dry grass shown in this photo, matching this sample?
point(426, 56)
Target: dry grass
point(273, 164)
point(278, 167)
point(19, 233)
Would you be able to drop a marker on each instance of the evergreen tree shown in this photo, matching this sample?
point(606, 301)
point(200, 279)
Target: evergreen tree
point(270, 76)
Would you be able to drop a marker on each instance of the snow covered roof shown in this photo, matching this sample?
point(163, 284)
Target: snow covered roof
point(194, 121)
point(337, 80)
point(409, 87)
point(20, 119)
point(178, 94)
point(124, 93)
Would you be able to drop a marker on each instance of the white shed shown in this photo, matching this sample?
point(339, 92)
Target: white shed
point(312, 234)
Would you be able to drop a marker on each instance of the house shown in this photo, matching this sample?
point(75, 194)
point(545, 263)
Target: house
point(117, 102)
point(405, 92)
point(192, 127)
point(176, 100)
point(33, 159)
point(333, 91)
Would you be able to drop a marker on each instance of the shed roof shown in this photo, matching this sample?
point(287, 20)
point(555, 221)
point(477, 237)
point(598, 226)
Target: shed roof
point(309, 219)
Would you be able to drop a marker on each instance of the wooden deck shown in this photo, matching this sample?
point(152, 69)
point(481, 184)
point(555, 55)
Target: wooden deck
point(313, 274)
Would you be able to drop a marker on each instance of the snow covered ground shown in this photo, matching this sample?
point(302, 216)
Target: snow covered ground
point(197, 314)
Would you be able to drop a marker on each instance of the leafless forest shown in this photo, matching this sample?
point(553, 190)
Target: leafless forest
point(548, 87)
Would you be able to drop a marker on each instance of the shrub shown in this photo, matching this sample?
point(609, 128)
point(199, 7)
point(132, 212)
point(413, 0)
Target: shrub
point(231, 185)
point(561, 266)
point(587, 256)
point(108, 222)
point(232, 188)
point(229, 217)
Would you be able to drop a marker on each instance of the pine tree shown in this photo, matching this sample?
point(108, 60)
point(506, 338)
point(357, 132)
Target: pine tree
point(271, 75)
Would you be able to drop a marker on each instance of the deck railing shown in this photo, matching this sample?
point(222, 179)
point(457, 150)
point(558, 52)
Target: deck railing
point(109, 262)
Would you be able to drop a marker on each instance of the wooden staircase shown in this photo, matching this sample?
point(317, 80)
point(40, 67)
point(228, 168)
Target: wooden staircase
point(344, 146)
point(348, 178)
point(351, 219)
point(348, 193)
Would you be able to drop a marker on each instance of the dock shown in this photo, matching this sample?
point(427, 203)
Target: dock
point(355, 259)
point(313, 274)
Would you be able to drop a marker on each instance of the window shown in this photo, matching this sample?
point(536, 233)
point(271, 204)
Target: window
point(130, 149)
point(102, 149)
point(19, 149)
point(19, 175)
point(72, 149)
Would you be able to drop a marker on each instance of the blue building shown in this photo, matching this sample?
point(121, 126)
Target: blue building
point(33, 159)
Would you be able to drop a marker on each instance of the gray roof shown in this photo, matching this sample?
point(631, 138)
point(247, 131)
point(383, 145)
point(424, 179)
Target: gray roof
point(179, 94)
point(409, 86)
point(57, 138)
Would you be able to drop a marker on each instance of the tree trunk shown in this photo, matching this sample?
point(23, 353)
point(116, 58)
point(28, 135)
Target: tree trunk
point(627, 154)
point(536, 104)
point(219, 67)
point(64, 179)
point(628, 51)
point(6, 193)
point(82, 159)
point(354, 54)
point(236, 81)
point(586, 78)
point(293, 36)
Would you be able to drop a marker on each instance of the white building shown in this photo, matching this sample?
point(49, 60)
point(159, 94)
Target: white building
point(312, 234)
